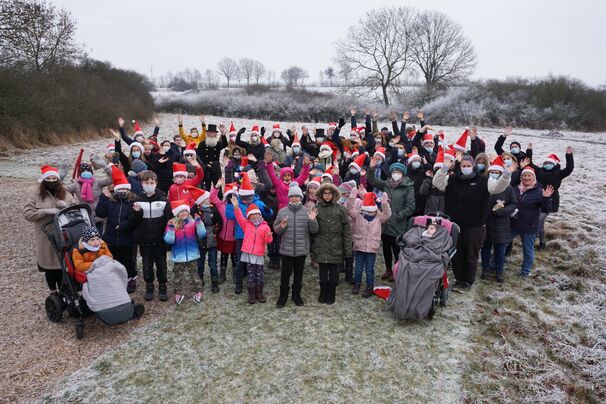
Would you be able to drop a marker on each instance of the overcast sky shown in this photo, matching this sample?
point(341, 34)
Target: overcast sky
point(529, 38)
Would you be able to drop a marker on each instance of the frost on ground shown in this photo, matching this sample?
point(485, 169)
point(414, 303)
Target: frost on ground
point(539, 340)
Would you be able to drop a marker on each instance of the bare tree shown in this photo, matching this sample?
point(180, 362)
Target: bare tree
point(35, 34)
point(210, 78)
point(378, 48)
point(258, 71)
point(229, 69)
point(247, 67)
point(442, 53)
point(293, 76)
point(330, 74)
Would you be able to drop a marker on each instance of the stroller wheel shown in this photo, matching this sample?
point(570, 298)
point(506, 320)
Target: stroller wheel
point(54, 308)
point(80, 330)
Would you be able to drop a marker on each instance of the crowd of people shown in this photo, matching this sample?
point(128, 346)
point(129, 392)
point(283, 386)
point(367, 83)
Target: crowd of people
point(216, 195)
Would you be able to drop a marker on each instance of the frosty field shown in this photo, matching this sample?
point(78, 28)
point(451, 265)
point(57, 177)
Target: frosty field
point(543, 339)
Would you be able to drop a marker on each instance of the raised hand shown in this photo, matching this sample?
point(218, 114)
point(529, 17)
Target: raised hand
point(283, 222)
point(524, 163)
point(373, 162)
point(180, 119)
point(569, 150)
point(222, 128)
point(202, 119)
point(429, 173)
point(353, 111)
point(420, 115)
point(234, 201)
point(115, 134)
point(269, 157)
point(136, 207)
point(375, 115)
point(106, 192)
point(513, 167)
point(392, 116)
point(406, 116)
point(508, 131)
point(459, 156)
point(366, 111)
point(529, 146)
point(548, 191)
point(313, 213)
point(306, 160)
point(121, 121)
point(474, 133)
point(156, 122)
point(219, 183)
point(304, 130)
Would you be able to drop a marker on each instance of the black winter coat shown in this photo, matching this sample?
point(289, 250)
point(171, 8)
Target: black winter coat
point(554, 178)
point(498, 229)
point(150, 222)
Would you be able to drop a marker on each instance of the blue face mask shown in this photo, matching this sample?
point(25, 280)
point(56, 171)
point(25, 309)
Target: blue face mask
point(136, 154)
point(370, 218)
point(429, 149)
point(548, 166)
point(481, 166)
point(342, 200)
point(87, 175)
point(416, 164)
point(466, 170)
point(400, 152)
point(494, 176)
point(296, 149)
point(515, 150)
point(353, 171)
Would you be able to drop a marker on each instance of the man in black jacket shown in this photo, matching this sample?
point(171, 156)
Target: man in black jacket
point(208, 151)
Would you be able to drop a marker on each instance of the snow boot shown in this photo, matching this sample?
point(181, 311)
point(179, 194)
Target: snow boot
point(331, 293)
point(323, 292)
point(356, 289)
point(215, 284)
point(368, 292)
point(283, 297)
point(251, 295)
point(149, 291)
point(296, 295)
point(222, 275)
point(163, 292)
point(260, 296)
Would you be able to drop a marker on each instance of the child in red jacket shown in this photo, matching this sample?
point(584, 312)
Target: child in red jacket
point(178, 191)
point(257, 234)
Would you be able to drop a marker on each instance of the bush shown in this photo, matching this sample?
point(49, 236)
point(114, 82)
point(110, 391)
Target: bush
point(58, 106)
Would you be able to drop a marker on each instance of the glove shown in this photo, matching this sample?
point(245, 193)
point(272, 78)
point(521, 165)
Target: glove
point(241, 131)
point(341, 122)
point(262, 130)
point(197, 219)
point(171, 226)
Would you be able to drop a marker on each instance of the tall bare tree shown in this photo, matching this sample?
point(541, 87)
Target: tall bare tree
point(378, 48)
point(34, 34)
point(441, 51)
point(229, 69)
point(258, 71)
point(247, 68)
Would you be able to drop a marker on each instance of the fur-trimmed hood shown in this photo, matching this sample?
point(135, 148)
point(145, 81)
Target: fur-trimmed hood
point(327, 185)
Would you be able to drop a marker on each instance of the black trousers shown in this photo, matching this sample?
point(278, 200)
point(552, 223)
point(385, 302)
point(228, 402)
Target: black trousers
point(290, 265)
point(125, 255)
point(150, 255)
point(329, 273)
point(391, 250)
point(53, 278)
point(465, 261)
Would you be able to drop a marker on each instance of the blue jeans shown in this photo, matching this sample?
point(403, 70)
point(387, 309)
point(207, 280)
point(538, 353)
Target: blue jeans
point(212, 262)
point(365, 261)
point(527, 250)
point(498, 258)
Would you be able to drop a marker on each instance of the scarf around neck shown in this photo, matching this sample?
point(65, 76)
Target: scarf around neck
point(86, 189)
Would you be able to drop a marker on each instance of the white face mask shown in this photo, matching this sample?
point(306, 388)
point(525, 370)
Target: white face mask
point(166, 148)
point(466, 170)
point(90, 247)
point(149, 189)
point(396, 176)
point(416, 164)
point(353, 170)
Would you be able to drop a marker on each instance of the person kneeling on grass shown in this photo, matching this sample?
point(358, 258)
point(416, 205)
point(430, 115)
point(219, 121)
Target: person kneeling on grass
point(366, 234)
point(183, 233)
point(257, 235)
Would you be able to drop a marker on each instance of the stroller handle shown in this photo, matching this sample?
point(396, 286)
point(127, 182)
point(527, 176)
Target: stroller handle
point(438, 214)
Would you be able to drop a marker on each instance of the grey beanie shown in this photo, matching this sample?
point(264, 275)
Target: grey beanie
point(138, 166)
point(294, 190)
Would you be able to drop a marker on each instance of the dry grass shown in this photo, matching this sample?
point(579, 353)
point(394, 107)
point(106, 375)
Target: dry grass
point(24, 140)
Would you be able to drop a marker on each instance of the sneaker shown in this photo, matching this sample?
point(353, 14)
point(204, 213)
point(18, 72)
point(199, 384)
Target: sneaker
point(131, 286)
point(355, 290)
point(456, 285)
point(463, 288)
point(197, 297)
point(179, 299)
point(368, 292)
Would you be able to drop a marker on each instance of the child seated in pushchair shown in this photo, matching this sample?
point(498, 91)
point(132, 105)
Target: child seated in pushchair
point(106, 280)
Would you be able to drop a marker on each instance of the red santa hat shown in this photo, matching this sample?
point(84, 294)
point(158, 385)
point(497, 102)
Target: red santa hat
point(110, 148)
point(296, 140)
point(382, 291)
point(232, 128)
point(380, 151)
point(254, 130)
point(135, 144)
point(327, 175)
point(355, 153)
point(369, 203)
point(276, 128)
point(358, 162)
point(361, 130)
point(178, 206)
point(412, 157)
point(439, 158)
point(48, 171)
point(198, 195)
point(354, 132)
point(179, 169)
point(252, 209)
point(428, 138)
point(552, 158)
point(317, 180)
point(246, 188)
point(190, 149)
point(243, 161)
point(450, 153)
point(264, 141)
point(497, 164)
point(231, 188)
point(137, 128)
point(119, 179)
point(530, 170)
point(332, 125)
point(461, 143)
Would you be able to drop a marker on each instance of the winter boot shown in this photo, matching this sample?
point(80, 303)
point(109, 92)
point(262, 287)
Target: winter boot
point(260, 296)
point(283, 297)
point(131, 286)
point(356, 289)
point(222, 275)
point(296, 295)
point(163, 292)
point(251, 295)
point(215, 284)
point(369, 291)
point(388, 275)
point(332, 291)
point(149, 291)
point(500, 277)
point(323, 292)
point(484, 274)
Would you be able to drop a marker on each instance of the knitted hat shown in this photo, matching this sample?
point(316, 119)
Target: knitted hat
point(89, 232)
point(346, 187)
point(178, 206)
point(497, 164)
point(552, 158)
point(246, 188)
point(398, 166)
point(380, 151)
point(358, 162)
point(137, 128)
point(294, 190)
point(198, 195)
point(86, 167)
point(252, 208)
point(369, 202)
point(135, 144)
point(179, 169)
point(119, 179)
point(138, 166)
point(461, 143)
point(190, 149)
point(231, 188)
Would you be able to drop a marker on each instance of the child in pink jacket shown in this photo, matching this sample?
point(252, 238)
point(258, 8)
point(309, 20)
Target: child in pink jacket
point(282, 184)
point(226, 241)
point(367, 221)
point(257, 234)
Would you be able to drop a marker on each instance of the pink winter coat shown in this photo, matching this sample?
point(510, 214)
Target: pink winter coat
point(228, 228)
point(256, 238)
point(281, 187)
point(366, 235)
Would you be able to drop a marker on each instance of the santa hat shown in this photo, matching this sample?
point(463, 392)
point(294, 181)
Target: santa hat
point(325, 147)
point(110, 148)
point(190, 149)
point(382, 291)
point(296, 140)
point(461, 143)
point(178, 206)
point(232, 128)
point(369, 202)
point(439, 158)
point(119, 179)
point(135, 144)
point(246, 188)
point(428, 138)
point(252, 209)
point(450, 153)
point(276, 127)
point(497, 165)
point(138, 130)
point(254, 130)
point(552, 158)
point(179, 169)
point(354, 132)
point(332, 125)
point(412, 157)
point(381, 152)
point(361, 130)
point(198, 195)
point(355, 153)
point(231, 188)
point(315, 181)
point(359, 162)
point(327, 175)
point(48, 171)
point(243, 161)
point(530, 170)
point(264, 141)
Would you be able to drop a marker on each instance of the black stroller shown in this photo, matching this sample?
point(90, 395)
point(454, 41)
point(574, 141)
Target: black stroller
point(442, 286)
